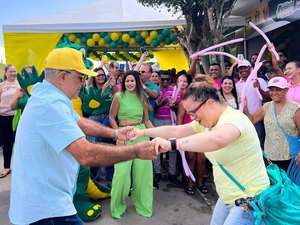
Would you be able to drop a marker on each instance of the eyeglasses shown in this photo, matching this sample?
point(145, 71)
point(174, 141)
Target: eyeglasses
point(194, 111)
point(165, 79)
point(82, 77)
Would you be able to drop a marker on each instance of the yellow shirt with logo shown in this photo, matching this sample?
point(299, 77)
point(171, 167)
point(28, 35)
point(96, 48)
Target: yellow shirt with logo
point(242, 158)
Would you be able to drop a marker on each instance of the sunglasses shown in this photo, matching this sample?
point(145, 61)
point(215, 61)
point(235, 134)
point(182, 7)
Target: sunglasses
point(82, 77)
point(165, 79)
point(142, 71)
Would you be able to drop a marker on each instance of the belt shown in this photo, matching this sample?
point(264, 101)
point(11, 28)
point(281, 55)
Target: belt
point(132, 124)
point(100, 115)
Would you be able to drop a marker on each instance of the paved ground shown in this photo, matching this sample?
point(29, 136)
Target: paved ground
point(172, 206)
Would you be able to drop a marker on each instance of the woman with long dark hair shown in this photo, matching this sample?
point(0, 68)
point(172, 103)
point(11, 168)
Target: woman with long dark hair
point(131, 106)
point(228, 91)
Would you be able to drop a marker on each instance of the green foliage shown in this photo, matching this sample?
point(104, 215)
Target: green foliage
point(204, 21)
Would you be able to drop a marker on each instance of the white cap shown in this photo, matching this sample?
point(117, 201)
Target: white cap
point(244, 62)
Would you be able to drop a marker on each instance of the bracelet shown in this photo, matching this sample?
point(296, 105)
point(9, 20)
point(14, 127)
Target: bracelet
point(173, 144)
point(116, 134)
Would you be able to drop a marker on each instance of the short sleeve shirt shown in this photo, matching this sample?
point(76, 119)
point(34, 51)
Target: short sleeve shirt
point(45, 173)
point(242, 158)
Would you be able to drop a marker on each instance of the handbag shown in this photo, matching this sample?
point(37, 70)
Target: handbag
point(279, 204)
point(293, 170)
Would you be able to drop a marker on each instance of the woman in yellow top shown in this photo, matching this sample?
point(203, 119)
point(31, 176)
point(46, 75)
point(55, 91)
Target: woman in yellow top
point(226, 136)
point(131, 107)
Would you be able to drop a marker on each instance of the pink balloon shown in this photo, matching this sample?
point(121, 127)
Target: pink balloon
point(221, 53)
point(186, 167)
point(265, 37)
point(260, 54)
point(216, 46)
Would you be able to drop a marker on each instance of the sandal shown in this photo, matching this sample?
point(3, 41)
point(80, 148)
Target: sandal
point(190, 190)
point(203, 189)
point(5, 172)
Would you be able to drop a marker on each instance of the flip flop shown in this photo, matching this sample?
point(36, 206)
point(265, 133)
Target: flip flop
point(5, 173)
point(203, 189)
point(190, 190)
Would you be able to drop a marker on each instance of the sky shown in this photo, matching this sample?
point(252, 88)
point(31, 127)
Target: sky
point(12, 11)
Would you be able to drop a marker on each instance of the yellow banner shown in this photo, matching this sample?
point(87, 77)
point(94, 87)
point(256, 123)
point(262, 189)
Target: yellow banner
point(24, 49)
point(169, 59)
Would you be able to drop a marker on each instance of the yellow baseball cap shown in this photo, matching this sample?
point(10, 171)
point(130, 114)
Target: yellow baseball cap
point(67, 59)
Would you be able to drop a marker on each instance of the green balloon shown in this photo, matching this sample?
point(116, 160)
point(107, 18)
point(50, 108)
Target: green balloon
point(131, 33)
point(120, 41)
point(173, 37)
point(113, 44)
point(160, 38)
point(89, 35)
point(125, 45)
point(142, 43)
point(168, 41)
point(166, 32)
point(107, 39)
point(151, 56)
point(155, 42)
point(103, 34)
point(83, 39)
point(79, 35)
point(138, 38)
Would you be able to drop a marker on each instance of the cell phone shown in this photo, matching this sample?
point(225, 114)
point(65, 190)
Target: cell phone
point(143, 49)
point(122, 67)
point(240, 56)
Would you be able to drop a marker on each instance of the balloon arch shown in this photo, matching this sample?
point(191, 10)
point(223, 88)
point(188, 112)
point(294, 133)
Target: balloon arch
point(123, 46)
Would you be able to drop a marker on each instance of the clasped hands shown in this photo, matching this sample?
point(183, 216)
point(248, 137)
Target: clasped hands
point(131, 133)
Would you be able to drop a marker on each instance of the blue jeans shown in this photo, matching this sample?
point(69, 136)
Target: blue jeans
point(225, 214)
point(64, 220)
point(172, 154)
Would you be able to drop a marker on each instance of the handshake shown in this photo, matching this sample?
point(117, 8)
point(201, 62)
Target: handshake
point(144, 149)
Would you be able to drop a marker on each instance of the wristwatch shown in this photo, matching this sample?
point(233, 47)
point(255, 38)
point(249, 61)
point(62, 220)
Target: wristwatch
point(144, 87)
point(173, 144)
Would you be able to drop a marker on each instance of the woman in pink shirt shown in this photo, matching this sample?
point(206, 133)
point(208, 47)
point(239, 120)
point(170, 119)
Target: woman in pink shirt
point(7, 91)
point(292, 71)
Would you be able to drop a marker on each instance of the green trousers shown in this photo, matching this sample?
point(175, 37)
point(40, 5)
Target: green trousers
point(140, 172)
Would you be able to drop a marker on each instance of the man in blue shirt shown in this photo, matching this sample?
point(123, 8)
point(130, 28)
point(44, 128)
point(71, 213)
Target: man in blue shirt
point(50, 145)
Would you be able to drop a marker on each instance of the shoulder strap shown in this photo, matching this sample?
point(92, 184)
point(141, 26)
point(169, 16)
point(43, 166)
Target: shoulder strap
point(274, 107)
point(240, 186)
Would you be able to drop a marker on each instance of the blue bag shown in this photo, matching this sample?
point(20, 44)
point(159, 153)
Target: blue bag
point(279, 204)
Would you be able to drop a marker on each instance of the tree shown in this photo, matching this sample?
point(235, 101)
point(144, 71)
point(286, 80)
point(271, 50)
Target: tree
point(204, 22)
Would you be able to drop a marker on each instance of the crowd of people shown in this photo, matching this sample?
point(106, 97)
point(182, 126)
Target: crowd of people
point(141, 113)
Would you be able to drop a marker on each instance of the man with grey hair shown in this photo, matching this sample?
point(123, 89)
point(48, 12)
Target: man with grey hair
point(50, 145)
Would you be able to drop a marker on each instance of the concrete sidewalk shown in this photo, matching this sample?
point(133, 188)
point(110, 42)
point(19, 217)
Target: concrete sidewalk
point(171, 206)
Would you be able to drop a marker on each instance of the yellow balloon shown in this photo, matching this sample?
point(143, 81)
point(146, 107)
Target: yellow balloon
point(106, 45)
point(125, 38)
point(72, 37)
point(162, 44)
point(90, 42)
point(180, 28)
point(153, 34)
point(114, 36)
point(144, 34)
point(148, 40)
point(101, 42)
point(96, 37)
point(132, 42)
point(77, 41)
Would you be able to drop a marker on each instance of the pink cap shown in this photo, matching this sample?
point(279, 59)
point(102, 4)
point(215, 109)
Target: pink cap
point(279, 82)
